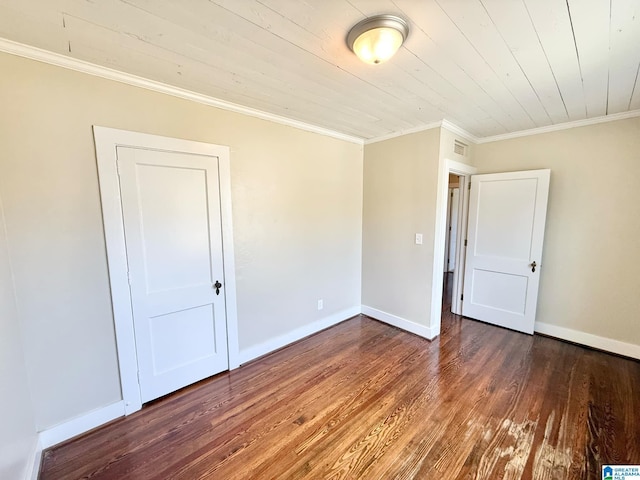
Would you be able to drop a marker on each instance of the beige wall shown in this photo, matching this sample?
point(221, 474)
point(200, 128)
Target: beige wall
point(589, 274)
point(400, 179)
point(297, 213)
point(18, 432)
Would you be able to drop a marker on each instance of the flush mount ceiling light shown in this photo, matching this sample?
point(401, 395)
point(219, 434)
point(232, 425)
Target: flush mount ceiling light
point(376, 39)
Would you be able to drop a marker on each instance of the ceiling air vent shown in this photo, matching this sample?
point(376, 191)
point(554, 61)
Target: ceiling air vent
point(459, 148)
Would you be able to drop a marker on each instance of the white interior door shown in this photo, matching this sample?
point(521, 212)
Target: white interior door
point(507, 213)
point(171, 212)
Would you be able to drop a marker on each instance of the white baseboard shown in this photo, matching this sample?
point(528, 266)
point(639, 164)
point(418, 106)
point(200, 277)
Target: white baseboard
point(65, 431)
point(588, 339)
point(402, 323)
point(269, 346)
point(34, 461)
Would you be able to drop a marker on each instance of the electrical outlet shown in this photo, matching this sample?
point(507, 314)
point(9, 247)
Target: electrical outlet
point(418, 239)
point(320, 304)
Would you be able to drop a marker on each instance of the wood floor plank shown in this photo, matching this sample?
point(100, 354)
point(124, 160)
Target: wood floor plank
point(366, 400)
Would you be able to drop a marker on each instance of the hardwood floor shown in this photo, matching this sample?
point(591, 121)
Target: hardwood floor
point(366, 400)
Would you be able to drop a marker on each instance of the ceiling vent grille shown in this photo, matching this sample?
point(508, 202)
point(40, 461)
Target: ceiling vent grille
point(459, 148)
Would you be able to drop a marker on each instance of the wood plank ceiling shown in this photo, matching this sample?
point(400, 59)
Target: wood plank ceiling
point(489, 66)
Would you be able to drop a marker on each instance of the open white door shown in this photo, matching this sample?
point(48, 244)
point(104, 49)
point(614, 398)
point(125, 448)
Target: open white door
point(507, 213)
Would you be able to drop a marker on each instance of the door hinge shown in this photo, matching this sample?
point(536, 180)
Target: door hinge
point(469, 185)
point(465, 243)
point(462, 297)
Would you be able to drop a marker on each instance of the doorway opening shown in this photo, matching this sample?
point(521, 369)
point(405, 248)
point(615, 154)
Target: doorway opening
point(451, 241)
point(463, 172)
point(502, 269)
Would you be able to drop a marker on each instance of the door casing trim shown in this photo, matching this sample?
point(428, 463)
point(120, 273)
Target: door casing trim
point(107, 140)
point(464, 171)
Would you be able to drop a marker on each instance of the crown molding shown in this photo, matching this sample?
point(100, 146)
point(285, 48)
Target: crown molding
point(507, 136)
point(562, 126)
point(45, 56)
point(439, 124)
point(452, 127)
point(400, 133)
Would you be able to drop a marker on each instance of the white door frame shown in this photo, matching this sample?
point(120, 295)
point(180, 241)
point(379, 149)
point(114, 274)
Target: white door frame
point(455, 207)
point(107, 139)
point(447, 229)
point(464, 171)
